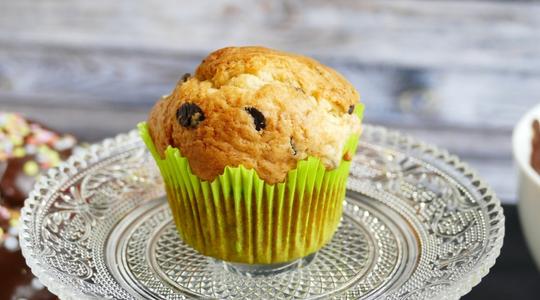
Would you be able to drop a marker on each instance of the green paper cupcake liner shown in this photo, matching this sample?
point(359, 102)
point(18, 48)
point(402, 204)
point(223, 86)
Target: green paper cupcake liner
point(238, 217)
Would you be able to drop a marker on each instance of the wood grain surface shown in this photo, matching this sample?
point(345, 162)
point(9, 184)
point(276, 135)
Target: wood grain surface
point(458, 74)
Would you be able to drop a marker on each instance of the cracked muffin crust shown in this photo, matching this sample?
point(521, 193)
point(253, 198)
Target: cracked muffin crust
point(260, 108)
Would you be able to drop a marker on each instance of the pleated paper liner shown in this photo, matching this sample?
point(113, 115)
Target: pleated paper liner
point(238, 217)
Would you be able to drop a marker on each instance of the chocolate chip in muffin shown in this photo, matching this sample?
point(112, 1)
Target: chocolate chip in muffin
point(258, 118)
point(351, 110)
point(293, 146)
point(185, 77)
point(190, 115)
point(299, 89)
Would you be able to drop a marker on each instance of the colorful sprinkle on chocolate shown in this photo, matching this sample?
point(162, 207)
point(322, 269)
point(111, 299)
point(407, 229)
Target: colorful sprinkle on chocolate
point(31, 168)
point(19, 138)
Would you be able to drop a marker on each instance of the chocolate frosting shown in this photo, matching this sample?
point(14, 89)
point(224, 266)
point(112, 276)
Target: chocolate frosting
point(26, 150)
point(535, 153)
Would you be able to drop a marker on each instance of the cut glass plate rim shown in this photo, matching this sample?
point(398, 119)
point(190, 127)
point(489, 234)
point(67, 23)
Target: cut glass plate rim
point(101, 151)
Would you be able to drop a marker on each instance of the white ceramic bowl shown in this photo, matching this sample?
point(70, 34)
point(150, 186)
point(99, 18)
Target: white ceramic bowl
point(529, 182)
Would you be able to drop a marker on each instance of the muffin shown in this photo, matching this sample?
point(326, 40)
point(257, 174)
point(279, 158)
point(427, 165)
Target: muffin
point(27, 149)
point(255, 150)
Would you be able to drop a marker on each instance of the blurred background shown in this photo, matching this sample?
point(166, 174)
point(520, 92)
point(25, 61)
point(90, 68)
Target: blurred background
point(458, 74)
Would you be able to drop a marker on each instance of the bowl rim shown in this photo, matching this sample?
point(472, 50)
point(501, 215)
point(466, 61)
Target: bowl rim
point(522, 161)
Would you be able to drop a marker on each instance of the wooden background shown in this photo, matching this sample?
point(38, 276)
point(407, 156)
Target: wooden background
point(455, 73)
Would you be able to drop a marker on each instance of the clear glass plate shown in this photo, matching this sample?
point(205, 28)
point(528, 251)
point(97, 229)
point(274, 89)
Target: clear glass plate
point(417, 224)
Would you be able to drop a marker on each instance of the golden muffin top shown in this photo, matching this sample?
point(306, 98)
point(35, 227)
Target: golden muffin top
point(260, 108)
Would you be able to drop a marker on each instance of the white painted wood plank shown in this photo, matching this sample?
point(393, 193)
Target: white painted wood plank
point(487, 34)
point(403, 96)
